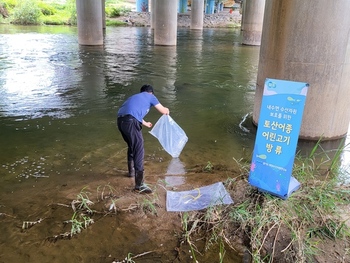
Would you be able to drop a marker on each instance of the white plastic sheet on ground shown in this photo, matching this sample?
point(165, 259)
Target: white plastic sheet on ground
point(170, 135)
point(198, 198)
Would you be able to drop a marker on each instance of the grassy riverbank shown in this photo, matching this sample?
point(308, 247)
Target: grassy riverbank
point(118, 13)
point(311, 226)
point(55, 12)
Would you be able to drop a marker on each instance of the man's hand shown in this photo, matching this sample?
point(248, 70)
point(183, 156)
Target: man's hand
point(162, 109)
point(166, 112)
point(147, 123)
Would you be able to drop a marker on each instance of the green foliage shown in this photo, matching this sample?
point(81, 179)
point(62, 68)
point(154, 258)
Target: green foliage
point(114, 23)
point(81, 207)
point(61, 14)
point(9, 4)
point(317, 212)
point(55, 20)
point(149, 206)
point(26, 13)
point(46, 9)
point(55, 12)
point(209, 167)
point(71, 10)
point(116, 11)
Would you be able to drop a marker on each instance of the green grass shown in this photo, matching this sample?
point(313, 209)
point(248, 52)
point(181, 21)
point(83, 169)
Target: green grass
point(115, 23)
point(309, 216)
point(56, 12)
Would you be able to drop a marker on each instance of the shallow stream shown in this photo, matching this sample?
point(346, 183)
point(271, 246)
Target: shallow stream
point(58, 104)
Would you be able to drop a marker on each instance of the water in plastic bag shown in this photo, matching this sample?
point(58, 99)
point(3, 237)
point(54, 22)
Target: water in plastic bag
point(170, 135)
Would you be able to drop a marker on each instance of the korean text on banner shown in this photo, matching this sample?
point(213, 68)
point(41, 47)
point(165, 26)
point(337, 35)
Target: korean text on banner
point(277, 136)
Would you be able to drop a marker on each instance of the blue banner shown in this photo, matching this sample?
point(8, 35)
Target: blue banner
point(277, 137)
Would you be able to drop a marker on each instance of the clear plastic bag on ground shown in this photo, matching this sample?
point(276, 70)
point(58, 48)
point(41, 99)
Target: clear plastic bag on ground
point(198, 198)
point(170, 135)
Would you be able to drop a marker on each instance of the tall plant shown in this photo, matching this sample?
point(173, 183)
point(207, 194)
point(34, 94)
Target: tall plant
point(72, 9)
point(26, 13)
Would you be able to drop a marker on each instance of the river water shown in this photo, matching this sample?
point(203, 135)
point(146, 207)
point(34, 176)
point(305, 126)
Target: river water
point(59, 100)
point(58, 104)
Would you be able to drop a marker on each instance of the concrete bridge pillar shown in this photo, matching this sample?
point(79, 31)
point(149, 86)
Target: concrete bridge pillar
point(308, 41)
point(182, 6)
point(210, 6)
point(165, 29)
point(153, 13)
point(243, 8)
point(90, 24)
point(141, 5)
point(103, 14)
point(252, 23)
point(197, 14)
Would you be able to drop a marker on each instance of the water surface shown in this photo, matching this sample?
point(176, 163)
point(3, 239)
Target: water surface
point(58, 107)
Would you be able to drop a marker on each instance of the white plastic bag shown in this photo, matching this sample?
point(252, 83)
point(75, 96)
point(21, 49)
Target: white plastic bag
point(170, 135)
point(198, 198)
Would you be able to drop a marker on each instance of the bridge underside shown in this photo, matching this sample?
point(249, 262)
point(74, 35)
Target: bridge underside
point(295, 46)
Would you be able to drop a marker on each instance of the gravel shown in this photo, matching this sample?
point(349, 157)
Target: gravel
point(221, 19)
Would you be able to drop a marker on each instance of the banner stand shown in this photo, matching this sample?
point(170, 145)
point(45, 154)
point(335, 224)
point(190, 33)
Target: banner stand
point(277, 136)
point(294, 185)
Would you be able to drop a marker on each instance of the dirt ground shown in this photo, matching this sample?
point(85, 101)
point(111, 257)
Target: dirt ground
point(128, 224)
point(34, 219)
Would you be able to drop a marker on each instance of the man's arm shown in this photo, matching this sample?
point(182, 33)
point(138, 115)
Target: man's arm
point(147, 123)
point(162, 109)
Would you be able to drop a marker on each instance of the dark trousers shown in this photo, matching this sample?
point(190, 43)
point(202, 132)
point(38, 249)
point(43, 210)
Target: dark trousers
point(131, 130)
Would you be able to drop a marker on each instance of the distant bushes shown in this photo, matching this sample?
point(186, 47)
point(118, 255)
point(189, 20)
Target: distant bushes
point(26, 13)
point(46, 9)
point(53, 12)
point(35, 12)
point(116, 11)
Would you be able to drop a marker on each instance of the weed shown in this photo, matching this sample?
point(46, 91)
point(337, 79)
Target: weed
point(209, 167)
point(149, 206)
point(311, 214)
point(26, 13)
point(115, 23)
point(83, 202)
point(222, 252)
point(130, 259)
point(188, 227)
point(81, 207)
point(79, 222)
point(77, 225)
point(107, 191)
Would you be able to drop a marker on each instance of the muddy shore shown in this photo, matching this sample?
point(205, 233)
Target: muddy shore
point(217, 20)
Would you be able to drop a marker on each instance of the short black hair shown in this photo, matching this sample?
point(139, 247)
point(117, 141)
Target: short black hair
point(147, 88)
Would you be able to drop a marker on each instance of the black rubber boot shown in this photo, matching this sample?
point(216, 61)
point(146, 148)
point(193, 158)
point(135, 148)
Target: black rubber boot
point(140, 187)
point(131, 169)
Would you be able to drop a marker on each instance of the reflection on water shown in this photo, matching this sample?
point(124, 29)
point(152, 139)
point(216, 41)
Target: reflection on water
point(59, 99)
point(33, 73)
point(174, 180)
point(175, 167)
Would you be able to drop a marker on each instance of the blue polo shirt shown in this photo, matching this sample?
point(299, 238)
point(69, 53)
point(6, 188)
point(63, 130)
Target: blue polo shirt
point(138, 105)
